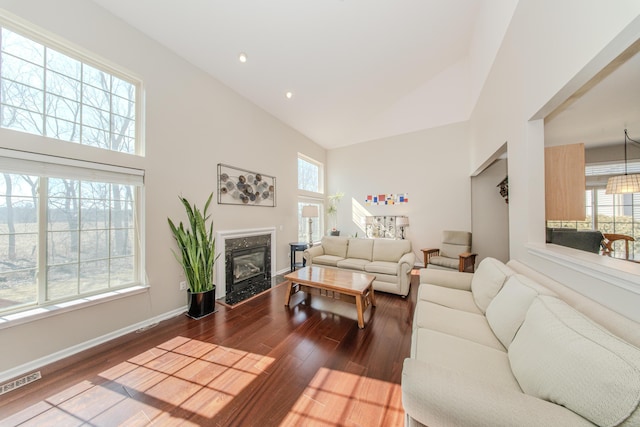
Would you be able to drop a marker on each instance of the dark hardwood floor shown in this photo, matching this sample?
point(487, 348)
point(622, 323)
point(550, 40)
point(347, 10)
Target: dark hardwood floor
point(257, 364)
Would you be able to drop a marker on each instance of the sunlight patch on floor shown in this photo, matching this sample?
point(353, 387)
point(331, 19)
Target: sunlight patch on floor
point(336, 398)
point(198, 377)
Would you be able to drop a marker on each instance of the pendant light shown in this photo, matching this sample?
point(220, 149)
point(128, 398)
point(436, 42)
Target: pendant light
point(624, 184)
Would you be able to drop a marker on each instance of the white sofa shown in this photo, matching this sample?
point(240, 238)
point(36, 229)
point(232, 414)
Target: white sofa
point(507, 346)
point(391, 261)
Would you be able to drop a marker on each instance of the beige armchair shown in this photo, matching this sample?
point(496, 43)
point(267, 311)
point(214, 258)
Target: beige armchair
point(455, 253)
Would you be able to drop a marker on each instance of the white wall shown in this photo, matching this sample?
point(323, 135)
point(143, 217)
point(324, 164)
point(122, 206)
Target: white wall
point(490, 214)
point(611, 153)
point(431, 165)
point(193, 123)
point(550, 47)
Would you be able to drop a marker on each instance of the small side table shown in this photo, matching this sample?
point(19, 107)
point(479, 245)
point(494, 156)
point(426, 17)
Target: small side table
point(297, 247)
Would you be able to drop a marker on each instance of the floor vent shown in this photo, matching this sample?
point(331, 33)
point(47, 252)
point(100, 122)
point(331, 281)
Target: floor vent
point(146, 328)
point(17, 383)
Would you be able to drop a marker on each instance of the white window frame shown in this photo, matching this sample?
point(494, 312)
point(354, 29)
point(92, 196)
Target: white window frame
point(46, 167)
point(313, 198)
point(81, 162)
point(18, 25)
point(320, 192)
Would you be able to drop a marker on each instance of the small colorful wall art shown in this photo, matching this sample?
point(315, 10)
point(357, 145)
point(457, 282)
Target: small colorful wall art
point(242, 187)
point(386, 199)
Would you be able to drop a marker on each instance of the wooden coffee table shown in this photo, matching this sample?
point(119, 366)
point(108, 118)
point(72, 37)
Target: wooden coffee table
point(353, 287)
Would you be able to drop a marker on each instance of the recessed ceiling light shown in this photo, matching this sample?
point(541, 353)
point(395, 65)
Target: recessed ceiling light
point(242, 57)
point(289, 95)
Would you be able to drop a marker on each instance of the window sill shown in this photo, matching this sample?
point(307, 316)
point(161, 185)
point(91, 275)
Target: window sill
point(14, 319)
point(617, 272)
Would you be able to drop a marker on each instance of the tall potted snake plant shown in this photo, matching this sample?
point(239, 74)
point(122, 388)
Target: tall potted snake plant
point(197, 255)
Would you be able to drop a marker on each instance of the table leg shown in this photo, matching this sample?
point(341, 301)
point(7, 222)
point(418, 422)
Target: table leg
point(292, 257)
point(359, 306)
point(372, 296)
point(287, 295)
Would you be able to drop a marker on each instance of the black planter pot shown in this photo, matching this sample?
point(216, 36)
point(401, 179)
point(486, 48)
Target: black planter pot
point(335, 232)
point(201, 304)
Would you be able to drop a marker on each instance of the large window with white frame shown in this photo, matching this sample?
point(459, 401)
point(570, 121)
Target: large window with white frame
point(310, 192)
point(49, 92)
point(69, 228)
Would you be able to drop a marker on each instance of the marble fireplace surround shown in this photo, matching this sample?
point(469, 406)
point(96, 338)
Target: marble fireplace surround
point(221, 236)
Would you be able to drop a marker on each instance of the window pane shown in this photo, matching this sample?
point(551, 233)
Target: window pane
point(124, 107)
point(63, 108)
point(95, 137)
point(78, 96)
point(21, 71)
point(122, 243)
point(123, 144)
point(121, 125)
point(95, 118)
point(124, 89)
point(96, 78)
point(94, 276)
point(22, 120)
point(308, 176)
point(22, 96)
point(62, 247)
point(94, 244)
point(96, 98)
point(61, 85)
point(63, 130)
point(17, 288)
point(18, 240)
point(22, 47)
point(63, 64)
point(122, 271)
point(62, 281)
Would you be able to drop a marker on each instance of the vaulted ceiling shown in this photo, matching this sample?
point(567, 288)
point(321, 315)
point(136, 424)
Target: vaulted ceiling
point(358, 70)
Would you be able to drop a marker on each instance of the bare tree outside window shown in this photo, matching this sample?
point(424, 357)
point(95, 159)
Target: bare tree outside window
point(18, 241)
point(90, 229)
point(46, 92)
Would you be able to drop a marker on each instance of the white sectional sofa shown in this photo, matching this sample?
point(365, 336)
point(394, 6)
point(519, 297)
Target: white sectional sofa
point(507, 346)
point(391, 261)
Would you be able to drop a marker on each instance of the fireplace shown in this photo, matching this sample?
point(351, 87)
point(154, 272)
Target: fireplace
point(247, 263)
point(246, 259)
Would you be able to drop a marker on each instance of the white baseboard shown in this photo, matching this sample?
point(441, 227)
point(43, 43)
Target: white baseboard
point(54, 357)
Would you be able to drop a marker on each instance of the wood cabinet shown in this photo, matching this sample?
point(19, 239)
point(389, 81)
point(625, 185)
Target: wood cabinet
point(565, 182)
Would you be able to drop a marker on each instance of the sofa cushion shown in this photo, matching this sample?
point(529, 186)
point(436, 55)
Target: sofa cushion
point(465, 357)
point(488, 280)
point(335, 245)
point(440, 261)
point(470, 326)
point(384, 267)
point(562, 356)
point(447, 297)
point(390, 250)
point(327, 260)
point(352, 264)
point(435, 396)
point(507, 310)
point(446, 278)
point(360, 248)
